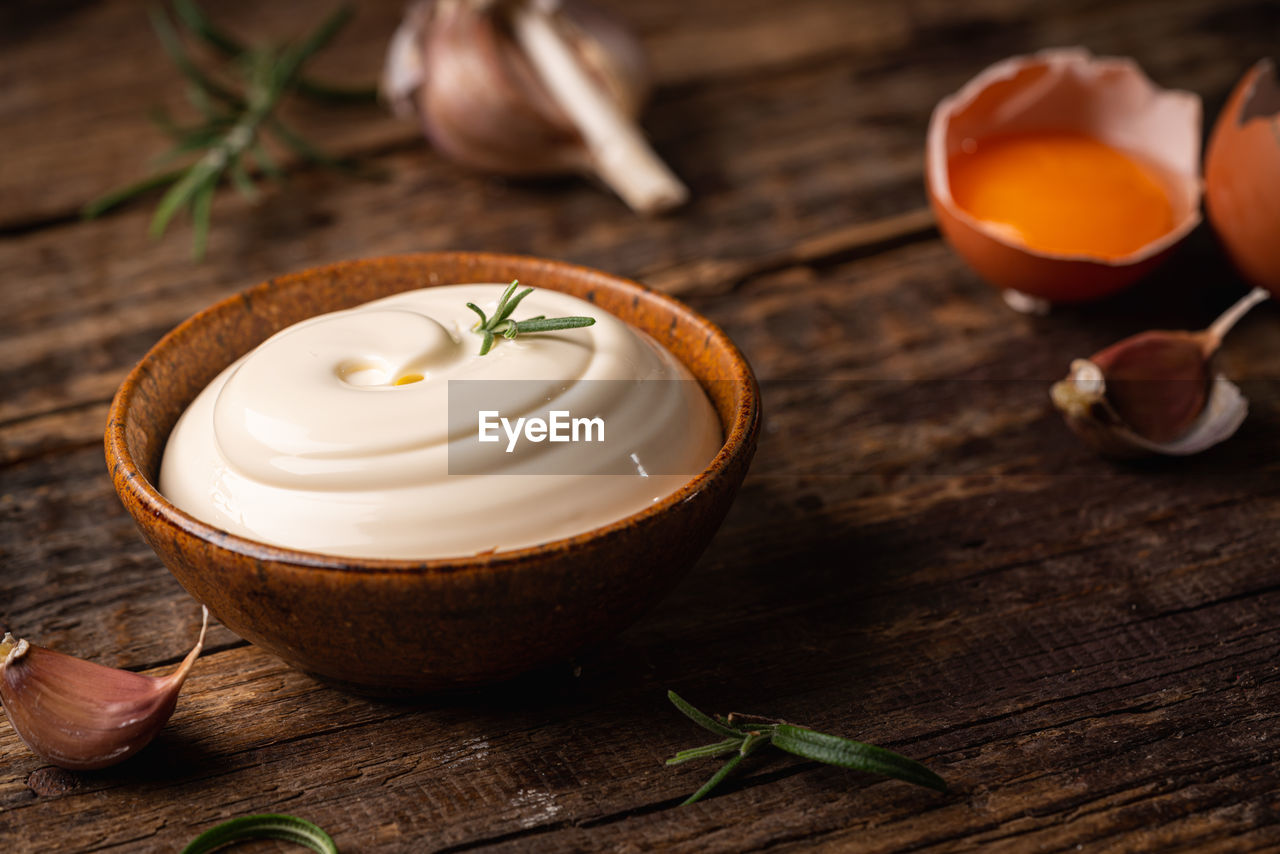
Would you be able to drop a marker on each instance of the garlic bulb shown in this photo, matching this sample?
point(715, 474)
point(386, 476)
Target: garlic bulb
point(80, 715)
point(530, 87)
point(1154, 393)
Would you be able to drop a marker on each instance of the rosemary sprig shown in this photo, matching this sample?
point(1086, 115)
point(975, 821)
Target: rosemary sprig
point(745, 734)
point(234, 120)
point(502, 324)
point(287, 827)
point(194, 19)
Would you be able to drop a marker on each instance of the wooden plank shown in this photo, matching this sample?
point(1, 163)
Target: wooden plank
point(80, 426)
point(937, 380)
point(77, 574)
point(1062, 605)
point(923, 556)
point(770, 170)
point(1074, 677)
point(112, 326)
point(48, 171)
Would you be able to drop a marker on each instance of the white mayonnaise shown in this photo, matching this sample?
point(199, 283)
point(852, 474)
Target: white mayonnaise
point(308, 442)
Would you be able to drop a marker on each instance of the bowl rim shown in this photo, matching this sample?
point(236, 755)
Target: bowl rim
point(130, 481)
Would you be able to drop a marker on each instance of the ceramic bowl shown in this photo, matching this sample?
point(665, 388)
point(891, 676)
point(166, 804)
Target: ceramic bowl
point(413, 626)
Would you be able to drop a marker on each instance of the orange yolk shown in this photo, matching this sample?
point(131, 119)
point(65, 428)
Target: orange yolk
point(1062, 192)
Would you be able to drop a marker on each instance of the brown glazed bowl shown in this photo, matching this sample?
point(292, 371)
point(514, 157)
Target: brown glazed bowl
point(410, 626)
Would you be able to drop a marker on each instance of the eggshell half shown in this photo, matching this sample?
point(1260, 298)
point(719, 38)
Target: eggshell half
point(1242, 177)
point(1068, 89)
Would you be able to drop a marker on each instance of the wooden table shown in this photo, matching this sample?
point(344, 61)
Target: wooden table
point(922, 557)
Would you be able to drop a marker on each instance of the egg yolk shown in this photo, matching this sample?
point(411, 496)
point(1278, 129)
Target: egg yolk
point(1062, 192)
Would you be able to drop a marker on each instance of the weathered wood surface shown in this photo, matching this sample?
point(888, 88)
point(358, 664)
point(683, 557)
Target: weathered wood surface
point(922, 556)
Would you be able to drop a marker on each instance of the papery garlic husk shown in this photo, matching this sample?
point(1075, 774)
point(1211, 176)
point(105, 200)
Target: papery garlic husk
point(79, 715)
point(530, 87)
point(1155, 392)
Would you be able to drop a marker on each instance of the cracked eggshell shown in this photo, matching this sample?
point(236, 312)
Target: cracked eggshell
point(1109, 99)
point(1242, 177)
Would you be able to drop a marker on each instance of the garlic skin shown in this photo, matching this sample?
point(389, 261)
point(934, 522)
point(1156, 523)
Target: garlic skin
point(530, 87)
point(1154, 393)
point(82, 716)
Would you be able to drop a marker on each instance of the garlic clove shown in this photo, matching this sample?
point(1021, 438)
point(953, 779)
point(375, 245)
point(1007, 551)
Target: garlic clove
point(80, 715)
point(1082, 398)
point(480, 103)
point(530, 87)
point(1155, 393)
point(1157, 382)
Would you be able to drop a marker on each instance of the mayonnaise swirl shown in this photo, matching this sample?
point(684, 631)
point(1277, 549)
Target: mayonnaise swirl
point(334, 435)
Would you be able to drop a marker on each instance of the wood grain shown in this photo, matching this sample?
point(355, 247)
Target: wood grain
point(772, 174)
point(47, 176)
point(923, 556)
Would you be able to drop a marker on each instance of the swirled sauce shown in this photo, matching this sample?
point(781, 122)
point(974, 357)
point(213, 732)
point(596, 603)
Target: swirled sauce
point(334, 436)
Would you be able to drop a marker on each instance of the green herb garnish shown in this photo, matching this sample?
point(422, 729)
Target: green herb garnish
point(502, 324)
point(235, 119)
point(745, 734)
point(287, 827)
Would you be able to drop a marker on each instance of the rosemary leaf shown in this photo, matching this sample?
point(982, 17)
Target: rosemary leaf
point(484, 321)
point(196, 141)
point(703, 720)
point(729, 745)
point(233, 122)
point(287, 827)
point(115, 198)
point(201, 208)
point(241, 181)
point(194, 19)
point(550, 324)
point(180, 194)
point(834, 750)
point(501, 322)
point(752, 743)
point(511, 302)
point(759, 731)
point(714, 781)
point(502, 300)
point(511, 305)
point(172, 44)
